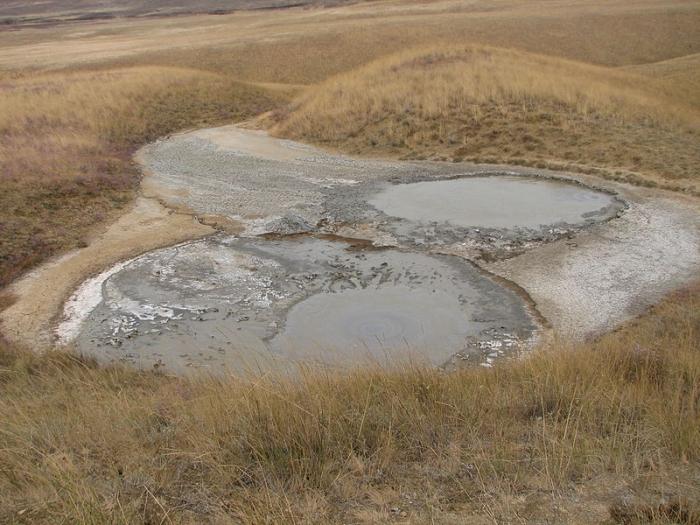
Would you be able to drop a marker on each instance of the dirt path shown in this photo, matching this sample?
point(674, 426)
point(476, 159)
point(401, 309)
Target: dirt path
point(41, 293)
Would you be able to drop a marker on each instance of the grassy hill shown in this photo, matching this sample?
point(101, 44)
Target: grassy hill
point(679, 76)
point(65, 157)
point(488, 104)
point(602, 432)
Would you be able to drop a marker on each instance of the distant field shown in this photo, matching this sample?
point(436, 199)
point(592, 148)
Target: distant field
point(307, 45)
point(51, 11)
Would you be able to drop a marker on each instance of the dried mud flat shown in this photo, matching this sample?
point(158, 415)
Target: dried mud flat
point(315, 249)
point(612, 272)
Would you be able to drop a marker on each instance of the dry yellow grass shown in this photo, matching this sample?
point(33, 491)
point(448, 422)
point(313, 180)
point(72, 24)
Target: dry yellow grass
point(489, 104)
point(67, 140)
point(679, 77)
point(606, 432)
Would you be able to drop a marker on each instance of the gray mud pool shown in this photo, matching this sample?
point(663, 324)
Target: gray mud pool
point(233, 304)
point(507, 202)
point(340, 261)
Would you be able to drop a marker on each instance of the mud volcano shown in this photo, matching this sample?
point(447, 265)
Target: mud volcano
point(229, 303)
point(340, 261)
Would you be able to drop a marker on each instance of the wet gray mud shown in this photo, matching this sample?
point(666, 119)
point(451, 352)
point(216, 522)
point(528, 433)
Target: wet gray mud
point(484, 215)
point(234, 304)
point(505, 202)
point(284, 187)
point(340, 261)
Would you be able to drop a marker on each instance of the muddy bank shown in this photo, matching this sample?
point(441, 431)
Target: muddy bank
point(611, 272)
point(278, 186)
point(289, 288)
point(41, 293)
point(585, 275)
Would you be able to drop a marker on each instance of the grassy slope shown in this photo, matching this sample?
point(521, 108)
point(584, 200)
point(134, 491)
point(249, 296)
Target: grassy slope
point(489, 104)
point(679, 75)
point(607, 429)
point(67, 139)
point(565, 436)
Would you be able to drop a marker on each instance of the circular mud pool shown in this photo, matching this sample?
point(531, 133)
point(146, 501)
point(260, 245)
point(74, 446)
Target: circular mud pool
point(499, 202)
point(237, 304)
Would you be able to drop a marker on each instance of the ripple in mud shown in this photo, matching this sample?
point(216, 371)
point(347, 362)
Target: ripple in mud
point(234, 304)
point(377, 322)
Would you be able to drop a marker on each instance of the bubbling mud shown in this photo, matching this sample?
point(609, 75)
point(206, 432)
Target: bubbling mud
point(291, 290)
point(272, 302)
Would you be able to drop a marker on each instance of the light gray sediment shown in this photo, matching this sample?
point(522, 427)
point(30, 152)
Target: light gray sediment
point(234, 304)
point(279, 186)
point(611, 272)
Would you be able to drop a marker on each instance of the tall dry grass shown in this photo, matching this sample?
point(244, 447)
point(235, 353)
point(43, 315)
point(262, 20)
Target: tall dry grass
point(608, 429)
point(432, 82)
point(66, 141)
point(489, 104)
